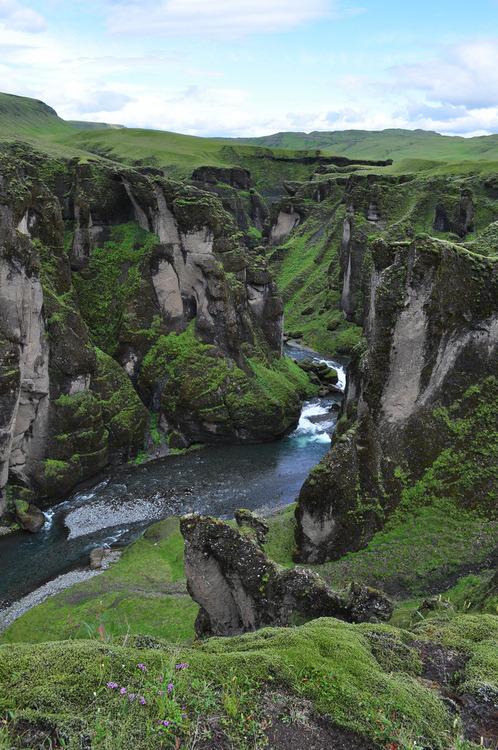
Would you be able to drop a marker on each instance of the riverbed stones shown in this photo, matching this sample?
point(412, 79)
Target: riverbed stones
point(239, 589)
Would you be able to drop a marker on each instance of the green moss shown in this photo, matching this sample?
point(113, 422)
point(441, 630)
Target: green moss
point(326, 661)
point(464, 475)
point(280, 544)
point(197, 379)
point(115, 284)
point(124, 415)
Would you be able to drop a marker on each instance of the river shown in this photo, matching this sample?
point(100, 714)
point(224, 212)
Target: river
point(214, 480)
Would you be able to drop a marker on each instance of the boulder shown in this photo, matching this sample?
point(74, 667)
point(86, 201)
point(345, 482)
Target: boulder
point(100, 557)
point(32, 519)
point(239, 589)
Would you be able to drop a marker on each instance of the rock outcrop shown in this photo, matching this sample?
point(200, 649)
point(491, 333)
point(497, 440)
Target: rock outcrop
point(124, 294)
point(239, 589)
point(419, 418)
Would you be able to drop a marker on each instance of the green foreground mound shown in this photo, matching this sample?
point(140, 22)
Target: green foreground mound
point(327, 681)
point(145, 694)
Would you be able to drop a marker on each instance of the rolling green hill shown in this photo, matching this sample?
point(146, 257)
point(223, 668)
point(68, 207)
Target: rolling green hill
point(84, 125)
point(385, 144)
point(270, 159)
point(22, 116)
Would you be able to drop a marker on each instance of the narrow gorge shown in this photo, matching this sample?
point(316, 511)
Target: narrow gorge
point(248, 440)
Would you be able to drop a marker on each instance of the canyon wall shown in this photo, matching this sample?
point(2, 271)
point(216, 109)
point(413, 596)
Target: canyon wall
point(127, 302)
point(419, 419)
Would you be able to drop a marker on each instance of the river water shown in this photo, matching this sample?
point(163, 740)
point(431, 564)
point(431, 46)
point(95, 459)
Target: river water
point(215, 480)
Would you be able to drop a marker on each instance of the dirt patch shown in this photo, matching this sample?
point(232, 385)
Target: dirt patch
point(439, 664)
point(442, 669)
point(285, 723)
point(292, 724)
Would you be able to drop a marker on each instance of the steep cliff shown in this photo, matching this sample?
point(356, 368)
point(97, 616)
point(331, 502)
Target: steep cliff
point(123, 293)
point(419, 422)
point(319, 237)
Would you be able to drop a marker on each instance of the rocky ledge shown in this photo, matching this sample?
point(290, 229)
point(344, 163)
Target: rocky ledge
point(239, 589)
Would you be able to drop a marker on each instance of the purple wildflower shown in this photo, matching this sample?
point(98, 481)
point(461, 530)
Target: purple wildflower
point(184, 716)
point(112, 684)
point(181, 666)
point(170, 687)
point(166, 723)
point(160, 678)
point(160, 692)
point(141, 666)
point(142, 700)
point(131, 697)
point(123, 691)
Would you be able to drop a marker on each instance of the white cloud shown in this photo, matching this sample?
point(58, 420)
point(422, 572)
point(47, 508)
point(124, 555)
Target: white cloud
point(217, 18)
point(465, 74)
point(103, 101)
point(17, 17)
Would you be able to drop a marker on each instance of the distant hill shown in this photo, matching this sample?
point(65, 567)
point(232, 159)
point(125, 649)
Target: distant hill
point(21, 116)
point(394, 143)
point(83, 125)
point(271, 159)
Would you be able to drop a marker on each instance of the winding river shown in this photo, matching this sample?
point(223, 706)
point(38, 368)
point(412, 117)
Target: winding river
point(214, 480)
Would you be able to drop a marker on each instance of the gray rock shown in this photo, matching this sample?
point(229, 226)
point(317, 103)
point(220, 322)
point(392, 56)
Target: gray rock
point(239, 589)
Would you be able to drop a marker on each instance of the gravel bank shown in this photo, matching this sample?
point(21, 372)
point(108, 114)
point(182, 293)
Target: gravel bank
point(10, 614)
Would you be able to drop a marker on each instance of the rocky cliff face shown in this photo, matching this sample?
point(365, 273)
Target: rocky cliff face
point(419, 420)
point(122, 293)
point(320, 238)
point(239, 589)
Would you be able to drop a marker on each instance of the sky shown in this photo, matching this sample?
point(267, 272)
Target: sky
point(255, 67)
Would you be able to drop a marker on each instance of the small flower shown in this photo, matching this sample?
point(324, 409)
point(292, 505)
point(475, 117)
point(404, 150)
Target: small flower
point(112, 684)
point(160, 692)
point(166, 723)
point(141, 666)
point(142, 700)
point(184, 716)
point(181, 666)
point(160, 678)
point(131, 697)
point(123, 691)
point(170, 687)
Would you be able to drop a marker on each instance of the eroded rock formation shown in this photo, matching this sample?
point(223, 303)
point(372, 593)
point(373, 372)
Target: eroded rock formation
point(420, 410)
point(121, 293)
point(239, 589)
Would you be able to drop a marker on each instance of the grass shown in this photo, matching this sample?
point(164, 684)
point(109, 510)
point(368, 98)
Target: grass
point(394, 143)
point(144, 592)
point(418, 555)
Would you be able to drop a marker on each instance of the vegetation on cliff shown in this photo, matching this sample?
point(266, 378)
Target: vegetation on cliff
point(144, 292)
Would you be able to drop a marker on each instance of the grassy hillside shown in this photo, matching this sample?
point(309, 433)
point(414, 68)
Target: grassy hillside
point(176, 155)
point(179, 154)
point(385, 144)
point(271, 159)
point(21, 116)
